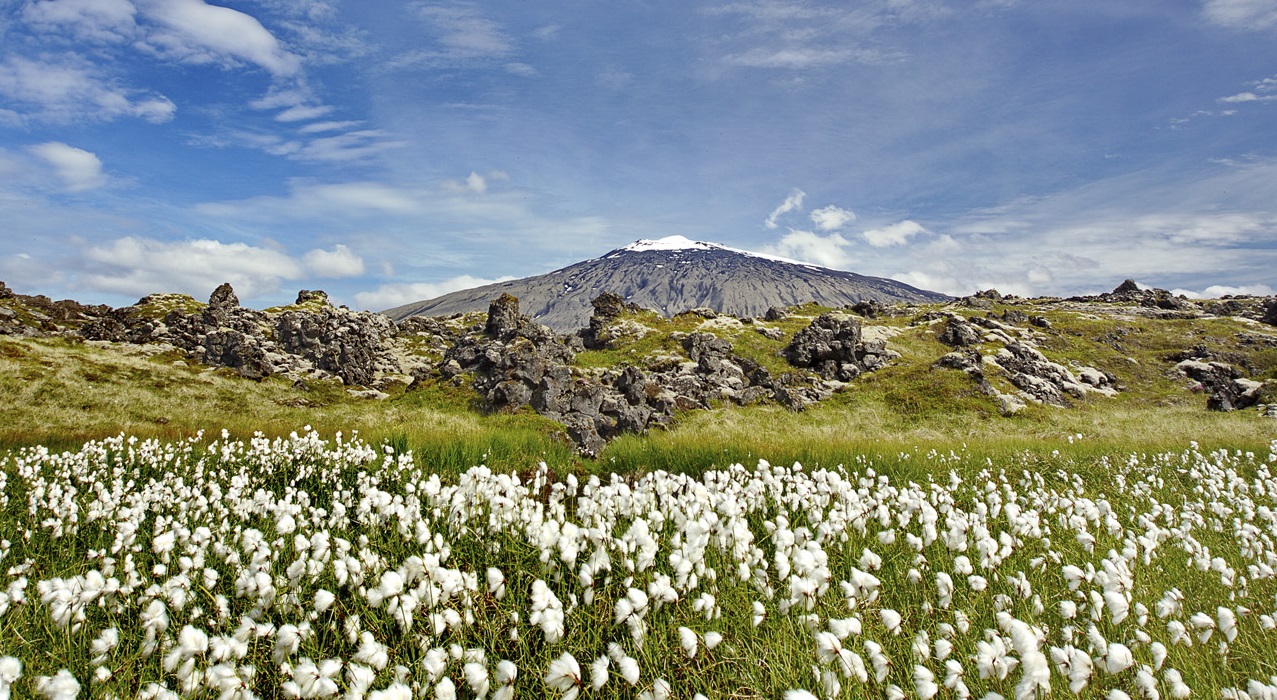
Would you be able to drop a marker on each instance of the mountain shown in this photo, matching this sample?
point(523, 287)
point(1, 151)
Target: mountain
point(671, 275)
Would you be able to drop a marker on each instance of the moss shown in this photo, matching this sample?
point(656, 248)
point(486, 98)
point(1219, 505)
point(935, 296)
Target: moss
point(156, 306)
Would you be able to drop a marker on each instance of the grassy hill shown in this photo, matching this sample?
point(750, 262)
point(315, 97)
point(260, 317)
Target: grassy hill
point(61, 391)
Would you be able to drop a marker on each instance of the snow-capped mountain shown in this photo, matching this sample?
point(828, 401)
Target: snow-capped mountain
point(670, 275)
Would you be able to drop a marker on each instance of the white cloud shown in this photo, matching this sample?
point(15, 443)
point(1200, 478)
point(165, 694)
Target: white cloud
point(140, 266)
point(1240, 97)
point(1242, 14)
point(517, 68)
point(463, 34)
point(832, 218)
point(793, 58)
point(1216, 291)
point(203, 33)
point(302, 113)
point(78, 169)
point(792, 202)
point(70, 88)
point(893, 235)
point(342, 148)
point(341, 261)
point(320, 127)
point(806, 246)
point(92, 20)
point(388, 296)
point(473, 184)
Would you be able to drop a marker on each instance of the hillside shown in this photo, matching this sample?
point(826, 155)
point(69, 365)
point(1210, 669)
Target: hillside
point(672, 275)
point(1132, 368)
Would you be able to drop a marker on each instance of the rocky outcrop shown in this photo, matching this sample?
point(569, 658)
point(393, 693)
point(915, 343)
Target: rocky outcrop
point(1044, 381)
point(1224, 384)
point(832, 347)
point(309, 340)
point(1270, 312)
point(959, 333)
point(516, 364)
point(606, 326)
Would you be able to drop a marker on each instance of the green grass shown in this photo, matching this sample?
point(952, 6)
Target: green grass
point(61, 392)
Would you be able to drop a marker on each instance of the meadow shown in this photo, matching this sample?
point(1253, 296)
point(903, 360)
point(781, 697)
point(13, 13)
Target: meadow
point(314, 567)
point(170, 530)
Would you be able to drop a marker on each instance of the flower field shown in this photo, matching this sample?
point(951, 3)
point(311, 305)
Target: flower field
point(314, 568)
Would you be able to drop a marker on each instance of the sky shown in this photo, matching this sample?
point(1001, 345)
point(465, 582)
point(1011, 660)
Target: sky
point(388, 152)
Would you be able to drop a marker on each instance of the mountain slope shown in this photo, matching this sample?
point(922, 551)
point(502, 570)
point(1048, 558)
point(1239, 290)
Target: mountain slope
point(671, 275)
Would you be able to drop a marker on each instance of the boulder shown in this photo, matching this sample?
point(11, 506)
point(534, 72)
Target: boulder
point(223, 298)
point(959, 333)
point(1270, 312)
point(1227, 390)
point(832, 347)
point(503, 317)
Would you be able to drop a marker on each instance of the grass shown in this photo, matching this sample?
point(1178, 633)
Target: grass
point(1209, 496)
point(60, 392)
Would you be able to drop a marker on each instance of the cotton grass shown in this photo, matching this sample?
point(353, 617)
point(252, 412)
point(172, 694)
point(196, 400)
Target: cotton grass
point(309, 568)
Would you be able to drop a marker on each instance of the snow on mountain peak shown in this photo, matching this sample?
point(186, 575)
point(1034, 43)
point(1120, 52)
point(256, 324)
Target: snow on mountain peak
point(669, 243)
point(675, 243)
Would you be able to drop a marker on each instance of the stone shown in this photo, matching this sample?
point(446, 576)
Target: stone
point(1270, 312)
point(774, 314)
point(503, 317)
point(223, 297)
point(1227, 390)
point(831, 347)
point(959, 333)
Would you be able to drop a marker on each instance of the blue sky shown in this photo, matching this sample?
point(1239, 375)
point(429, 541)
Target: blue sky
point(389, 152)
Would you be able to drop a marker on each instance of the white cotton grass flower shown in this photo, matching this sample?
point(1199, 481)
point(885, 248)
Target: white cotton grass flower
point(395, 691)
point(372, 652)
point(828, 681)
point(1117, 658)
point(314, 680)
point(564, 675)
point(759, 614)
point(661, 690)
point(1227, 623)
point(496, 582)
point(445, 689)
point(1204, 624)
point(324, 600)
point(627, 665)
point(476, 675)
point(891, 620)
point(924, 682)
point(711, 640)
point(1175, 686)
point(435, 662)
point(105, 643)
point(506, 674)
point(60, 686)
point(954, 678)
point(359, 678)
point(688, 640)
point(598, 672)
point(800, 695)
point(547, 612)
point(881, 664)
point(10, 672)
point(844, 627)
point(1074, 664)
